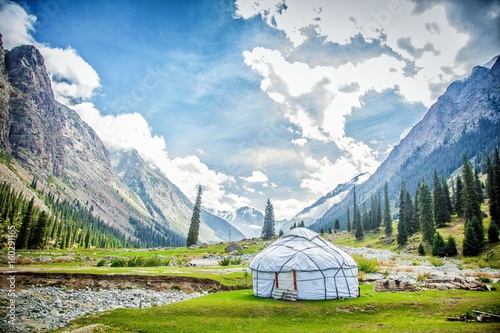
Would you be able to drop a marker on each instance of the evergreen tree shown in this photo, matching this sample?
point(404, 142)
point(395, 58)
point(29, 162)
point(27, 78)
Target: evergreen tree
point(421, 249)
point(470, 243)
point(441, 206)
point(281, 233)
point(451, 246)
point(322, 231)
point(194, 227)
point(387, 212)
point(336, 225)
point(458, 202)
point(348, 223)
point(470, 202)
point(412, 224)
point(447, 199)
point(493, 233)
point(402, 236)
point(268, 228)
point(302, 224)
point(438, 246)
point(37, 234)
point(425, 213)
point(24, 231)
point(358, 227)
point(493, 187)
point(365, 218)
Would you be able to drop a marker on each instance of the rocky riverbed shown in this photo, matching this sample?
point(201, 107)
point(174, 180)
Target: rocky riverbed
point(44, 308)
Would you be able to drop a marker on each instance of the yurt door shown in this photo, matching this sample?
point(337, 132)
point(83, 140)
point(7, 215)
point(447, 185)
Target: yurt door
point(286, 280)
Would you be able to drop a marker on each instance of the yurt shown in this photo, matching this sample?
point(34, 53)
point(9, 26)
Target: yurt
point(302, 265)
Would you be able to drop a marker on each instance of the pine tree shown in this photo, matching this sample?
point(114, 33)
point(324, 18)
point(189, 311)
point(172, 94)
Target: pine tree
point(348, 223)
point(425, 213)
point(358, 227)
point(336, 225)
point(402, 236)
point(451, 246)
point(471, 204)
point(438, 246)
point(281, 233)
point(387, 212)
point(194, 227)
point(458, 202)
point(421, 249)
point(24, 230)
point(493, 233)
point(493, 187)
point(37, 235)
point(268, 228)
point(477, 224)
point(470, 245)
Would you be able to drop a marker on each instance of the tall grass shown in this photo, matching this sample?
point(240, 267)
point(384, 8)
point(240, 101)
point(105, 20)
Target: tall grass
point(366, 265)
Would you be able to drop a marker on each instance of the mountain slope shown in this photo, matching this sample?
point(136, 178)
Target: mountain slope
point(464, 121)
point(165, 202)
point(50, 143)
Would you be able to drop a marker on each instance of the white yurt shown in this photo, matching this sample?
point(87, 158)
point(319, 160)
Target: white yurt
point(302, 265)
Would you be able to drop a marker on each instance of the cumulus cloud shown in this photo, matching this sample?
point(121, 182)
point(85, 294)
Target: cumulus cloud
point(74, 82)
point(256, 177)
point(16, 25)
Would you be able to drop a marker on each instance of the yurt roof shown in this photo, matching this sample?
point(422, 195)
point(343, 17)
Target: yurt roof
point(301, 249)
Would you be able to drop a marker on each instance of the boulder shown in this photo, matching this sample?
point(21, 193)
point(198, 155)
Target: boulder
point(234, 247)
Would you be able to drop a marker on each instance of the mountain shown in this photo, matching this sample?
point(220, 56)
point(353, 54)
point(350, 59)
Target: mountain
point(246, 219)
point(465, 121)
point(164, 201)
point(312, 213)
point(51, 147)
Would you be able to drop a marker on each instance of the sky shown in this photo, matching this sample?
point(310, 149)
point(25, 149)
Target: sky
point(278, 99)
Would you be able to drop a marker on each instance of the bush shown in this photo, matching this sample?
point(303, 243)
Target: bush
point(135, 262)
point(235, 261)
point(225, 261)
point(436, 261)
point(118, 262)
point(101, 263)
point(366, 265)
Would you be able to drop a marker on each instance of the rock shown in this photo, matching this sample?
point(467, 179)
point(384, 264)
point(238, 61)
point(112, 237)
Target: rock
point(389, 240)
point(193, 247)
point(234, 247)
point(203, 245)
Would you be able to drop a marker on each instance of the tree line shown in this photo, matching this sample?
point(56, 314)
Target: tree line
point(69, 224)
point(428, 210)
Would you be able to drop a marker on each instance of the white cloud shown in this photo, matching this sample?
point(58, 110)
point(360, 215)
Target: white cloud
point(299, 142)
point(72, 77)
point(288, 208)
point(16, 25)
point(256, 177)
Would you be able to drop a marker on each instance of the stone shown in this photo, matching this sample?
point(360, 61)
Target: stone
point(234, 247)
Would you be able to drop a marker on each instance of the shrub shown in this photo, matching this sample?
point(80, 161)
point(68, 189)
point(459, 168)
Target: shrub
point(235, 261)
point(225, 261)
point(101, 263)
point(118, 262)
point(436, 261)
point(421, 277)
point(366, 265)
point(135, 262)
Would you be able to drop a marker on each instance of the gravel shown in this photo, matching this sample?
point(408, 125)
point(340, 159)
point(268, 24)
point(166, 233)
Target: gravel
point(46, 308)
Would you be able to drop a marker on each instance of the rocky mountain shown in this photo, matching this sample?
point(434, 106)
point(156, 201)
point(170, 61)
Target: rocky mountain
point(246, 219)
point(465, 121)
point(50, 143)
point(315, 211)
point(164, 201)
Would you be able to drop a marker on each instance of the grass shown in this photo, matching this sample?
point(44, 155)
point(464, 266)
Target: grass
point(240, 311)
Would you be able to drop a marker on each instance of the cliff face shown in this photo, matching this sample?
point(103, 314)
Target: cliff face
point(4, 102)
point(35, 134)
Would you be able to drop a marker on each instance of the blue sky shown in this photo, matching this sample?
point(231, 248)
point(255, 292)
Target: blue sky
point(255, 99)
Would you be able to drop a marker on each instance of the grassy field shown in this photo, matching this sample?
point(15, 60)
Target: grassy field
point(240, 311)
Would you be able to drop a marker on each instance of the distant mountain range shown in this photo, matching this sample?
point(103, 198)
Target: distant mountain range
point(246, 219)
point(465, 121)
